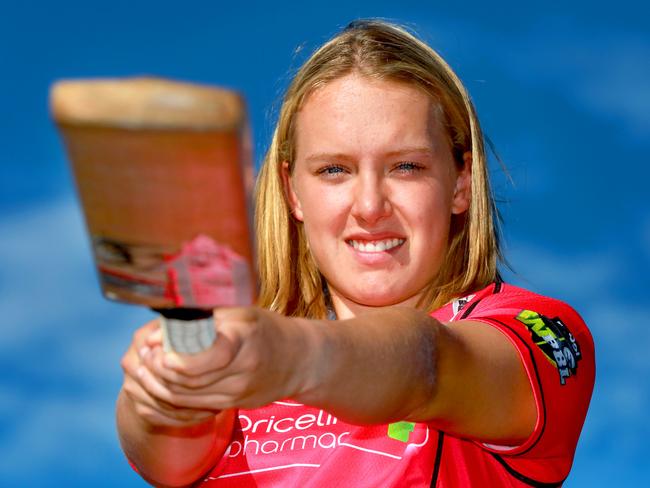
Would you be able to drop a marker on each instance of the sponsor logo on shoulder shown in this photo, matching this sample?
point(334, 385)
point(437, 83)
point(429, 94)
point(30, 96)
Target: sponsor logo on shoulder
point(555, 340)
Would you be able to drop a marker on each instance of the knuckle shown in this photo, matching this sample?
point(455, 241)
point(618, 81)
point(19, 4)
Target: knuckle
point(137, 335)
point(189, 371)
point(194, 382)
point(126, 363)
point(174, 400)
point(141, 333)
point(129, 388)
point(144, 411)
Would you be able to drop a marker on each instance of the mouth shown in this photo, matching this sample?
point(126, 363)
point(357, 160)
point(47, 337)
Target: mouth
point(375, 246)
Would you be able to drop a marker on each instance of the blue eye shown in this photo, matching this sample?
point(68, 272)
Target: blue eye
point(331, 170)
point(408, 167)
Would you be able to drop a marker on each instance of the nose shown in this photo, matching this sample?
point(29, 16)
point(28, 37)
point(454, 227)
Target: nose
point(371, 202)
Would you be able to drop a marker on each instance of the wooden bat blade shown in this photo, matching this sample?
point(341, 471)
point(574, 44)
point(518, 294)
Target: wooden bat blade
point(164, 174)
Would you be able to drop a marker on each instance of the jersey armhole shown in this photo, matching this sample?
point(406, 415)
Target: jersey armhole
point(530, 366)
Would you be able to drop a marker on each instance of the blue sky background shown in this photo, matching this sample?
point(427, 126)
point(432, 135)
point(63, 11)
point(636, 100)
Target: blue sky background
point(563, 92)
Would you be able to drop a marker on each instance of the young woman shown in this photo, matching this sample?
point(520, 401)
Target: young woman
point(386, 351)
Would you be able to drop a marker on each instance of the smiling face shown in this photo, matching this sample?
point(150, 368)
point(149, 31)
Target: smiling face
point(375, 185)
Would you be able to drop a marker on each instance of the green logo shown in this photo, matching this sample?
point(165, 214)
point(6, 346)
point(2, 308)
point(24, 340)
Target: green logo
point(400, 431)
point(555, 340)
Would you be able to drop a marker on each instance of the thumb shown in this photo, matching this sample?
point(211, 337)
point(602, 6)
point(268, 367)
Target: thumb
point(216, 357)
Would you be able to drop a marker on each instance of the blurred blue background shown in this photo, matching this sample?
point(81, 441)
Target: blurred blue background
point(562, 91)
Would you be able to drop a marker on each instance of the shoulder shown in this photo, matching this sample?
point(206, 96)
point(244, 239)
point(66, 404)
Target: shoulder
point(557, 351)
point(521, 307)
point(548, 327)
point(503, 295)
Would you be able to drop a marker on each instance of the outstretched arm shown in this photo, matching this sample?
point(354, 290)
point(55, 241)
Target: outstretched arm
point(392, 364)
point(402, 364)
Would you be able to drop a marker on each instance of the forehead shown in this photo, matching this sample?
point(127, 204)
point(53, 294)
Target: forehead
point(357, 115)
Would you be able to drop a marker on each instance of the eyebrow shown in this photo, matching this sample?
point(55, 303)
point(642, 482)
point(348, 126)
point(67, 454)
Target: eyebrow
point(328, 157)
point(411, 150)
point(346, 157)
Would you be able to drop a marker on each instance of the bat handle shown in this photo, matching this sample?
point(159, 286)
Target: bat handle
point(187, 330)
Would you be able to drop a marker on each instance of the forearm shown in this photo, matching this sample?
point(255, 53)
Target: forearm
point(171, 456)
point(375, 368)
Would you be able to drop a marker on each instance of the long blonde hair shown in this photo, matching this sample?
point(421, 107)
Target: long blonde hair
point(290, 280)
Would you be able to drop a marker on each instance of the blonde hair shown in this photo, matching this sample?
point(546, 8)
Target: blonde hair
point(290, 280)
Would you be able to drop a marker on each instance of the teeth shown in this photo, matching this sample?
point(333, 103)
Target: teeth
point(376, 246)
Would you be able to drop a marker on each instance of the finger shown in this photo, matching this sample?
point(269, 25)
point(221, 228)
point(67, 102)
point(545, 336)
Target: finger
point(155, 338)
point(218, 356)
point(179, 418)
point(213, 401)
point(152, 360)
point(133, 380)
point(236, 390)
point(179, 382)
point(146, 407)
point(235, 386)
point(212, 383)
point(233, 391)
point(138, 340)
point(132, 359)
point(171, 401)
point(140, 335)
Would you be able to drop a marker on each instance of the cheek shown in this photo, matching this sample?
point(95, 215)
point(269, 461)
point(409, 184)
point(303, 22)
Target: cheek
point(427, 207)
point(324, 222)
point(323, 207)
point(428, 214)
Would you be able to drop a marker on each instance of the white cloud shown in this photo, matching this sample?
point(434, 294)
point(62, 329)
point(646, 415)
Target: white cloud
point(61, 346)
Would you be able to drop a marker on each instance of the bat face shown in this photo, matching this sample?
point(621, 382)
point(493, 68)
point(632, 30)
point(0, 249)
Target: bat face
point(165, 187)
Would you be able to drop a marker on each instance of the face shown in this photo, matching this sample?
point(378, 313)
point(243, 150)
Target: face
point(375, 185)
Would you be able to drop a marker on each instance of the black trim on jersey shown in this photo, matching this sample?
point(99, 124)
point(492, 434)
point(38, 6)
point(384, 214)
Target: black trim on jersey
point(436, 465)
point(470, 309)
point(526, 479)
point(497, 287)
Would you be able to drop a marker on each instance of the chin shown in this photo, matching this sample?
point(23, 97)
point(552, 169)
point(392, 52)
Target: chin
point(381, 299)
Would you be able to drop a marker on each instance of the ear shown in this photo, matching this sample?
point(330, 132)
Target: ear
point(289, 192)
point(463, 190)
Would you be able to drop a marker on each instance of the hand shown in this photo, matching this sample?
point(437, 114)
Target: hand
point(153, 410)
point(258, 357)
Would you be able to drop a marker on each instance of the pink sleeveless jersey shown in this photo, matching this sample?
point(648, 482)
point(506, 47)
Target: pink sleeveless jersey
point(286, 444)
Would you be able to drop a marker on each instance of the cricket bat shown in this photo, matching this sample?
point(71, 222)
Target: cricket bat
point(164, 174)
